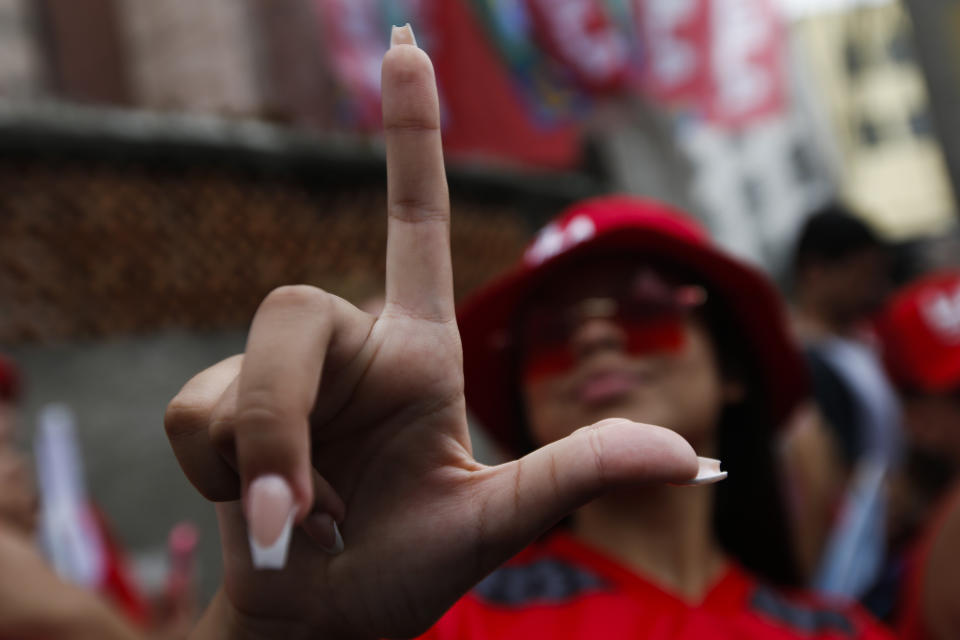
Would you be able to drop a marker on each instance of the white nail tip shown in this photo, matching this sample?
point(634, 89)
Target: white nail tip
point(403, 35)
point(708, 473)
point(274, 556)
point(337, 547)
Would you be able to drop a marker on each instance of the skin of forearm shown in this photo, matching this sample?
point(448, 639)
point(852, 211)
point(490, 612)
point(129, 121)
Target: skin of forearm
point(85, 617)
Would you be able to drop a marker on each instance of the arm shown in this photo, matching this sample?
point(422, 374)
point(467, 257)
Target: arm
point(815, 478)
point(940, 604)
point(35, 603)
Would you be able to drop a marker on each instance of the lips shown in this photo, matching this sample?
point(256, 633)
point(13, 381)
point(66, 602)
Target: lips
point(605, 386)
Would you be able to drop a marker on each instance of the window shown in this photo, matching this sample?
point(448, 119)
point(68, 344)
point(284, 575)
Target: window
point(920, 123)
point(801, 163)
point(869, 133)
point(852, 58)
point(752, 195)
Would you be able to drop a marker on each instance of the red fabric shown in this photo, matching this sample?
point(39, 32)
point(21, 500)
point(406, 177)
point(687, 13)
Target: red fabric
point(118, 584)
point(676, 36)
point(483, 113)
point(581, 36)
point(653, 231)
point(910, 622)
point(920, 334)
point(629, 606)
point(9, 381)
point(748, 80)
point(722, 57)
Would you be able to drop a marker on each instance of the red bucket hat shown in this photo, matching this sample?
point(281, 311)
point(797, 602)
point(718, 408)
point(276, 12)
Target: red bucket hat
point(920, 334)
point(600, 226)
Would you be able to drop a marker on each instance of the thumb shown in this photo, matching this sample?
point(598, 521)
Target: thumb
point(544, 486)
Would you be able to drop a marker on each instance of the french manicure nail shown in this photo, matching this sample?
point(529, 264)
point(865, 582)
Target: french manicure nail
point(708, 473)
point(402, 35)
point(270, 515)
point(325, 531)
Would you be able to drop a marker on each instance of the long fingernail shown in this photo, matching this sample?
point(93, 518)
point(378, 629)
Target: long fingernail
point(402, 35)
point(270, 515)
point(708, 473)
point(323, 528)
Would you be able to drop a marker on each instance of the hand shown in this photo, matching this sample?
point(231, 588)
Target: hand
point(35, 603)
point(364, 420)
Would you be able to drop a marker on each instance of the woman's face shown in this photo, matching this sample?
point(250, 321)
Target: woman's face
point(611, 339)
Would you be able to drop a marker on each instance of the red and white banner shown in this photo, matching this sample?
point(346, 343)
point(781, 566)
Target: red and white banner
point(747, 62)
point(722, 57)
point(582, 37)
point(675, 35)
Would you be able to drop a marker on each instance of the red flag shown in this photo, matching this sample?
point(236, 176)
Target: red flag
point(676, 39)
point(581, 36)
point(748, 78)
point(484, 115)
point(721, 57)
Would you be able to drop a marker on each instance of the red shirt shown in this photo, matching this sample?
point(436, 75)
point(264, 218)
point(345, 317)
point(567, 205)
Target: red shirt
point(562, 589)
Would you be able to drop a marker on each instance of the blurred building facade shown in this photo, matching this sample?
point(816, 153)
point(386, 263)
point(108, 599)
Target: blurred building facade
point(939, 51)
point(192, 56)
point(891, 163)
point(21, 65)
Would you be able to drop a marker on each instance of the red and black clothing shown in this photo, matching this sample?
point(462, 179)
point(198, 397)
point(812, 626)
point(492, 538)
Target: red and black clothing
point(563, 589)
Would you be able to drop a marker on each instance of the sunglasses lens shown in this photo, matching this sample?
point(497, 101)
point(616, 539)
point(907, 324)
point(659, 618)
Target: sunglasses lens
point(663, 334)
point(548, 361)
point(549, 353)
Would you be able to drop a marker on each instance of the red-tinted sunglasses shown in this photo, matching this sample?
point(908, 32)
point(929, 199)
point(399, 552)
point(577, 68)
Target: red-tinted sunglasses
point(652, 320)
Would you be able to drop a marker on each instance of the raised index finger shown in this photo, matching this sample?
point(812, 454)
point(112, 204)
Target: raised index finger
point(419, 275)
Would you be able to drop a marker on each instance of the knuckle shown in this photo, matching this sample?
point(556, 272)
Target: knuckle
point(415, 210)
point(222, 433)
point(595, 441)
point(258, 416)
point(297, 296)
point(184, 417)
point(406, 65)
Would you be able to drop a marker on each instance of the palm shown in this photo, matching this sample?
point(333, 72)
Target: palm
point(367, 416)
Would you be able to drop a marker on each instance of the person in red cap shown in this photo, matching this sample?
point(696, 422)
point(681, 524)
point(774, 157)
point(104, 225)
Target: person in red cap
point(622, 307)
point(920, 334)
point(337, 448)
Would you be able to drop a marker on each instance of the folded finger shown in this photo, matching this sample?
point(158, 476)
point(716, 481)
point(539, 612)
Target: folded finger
point(296, 333)
point(188, 422)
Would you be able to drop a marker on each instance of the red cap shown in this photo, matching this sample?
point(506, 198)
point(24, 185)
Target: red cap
point(600, 226)
point(9, 381)
point(920, 334)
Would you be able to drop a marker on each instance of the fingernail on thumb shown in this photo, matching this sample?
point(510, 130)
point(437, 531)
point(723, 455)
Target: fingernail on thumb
point(270, 514)
point(402, 35)
point(709, 472)
point(323, 528)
